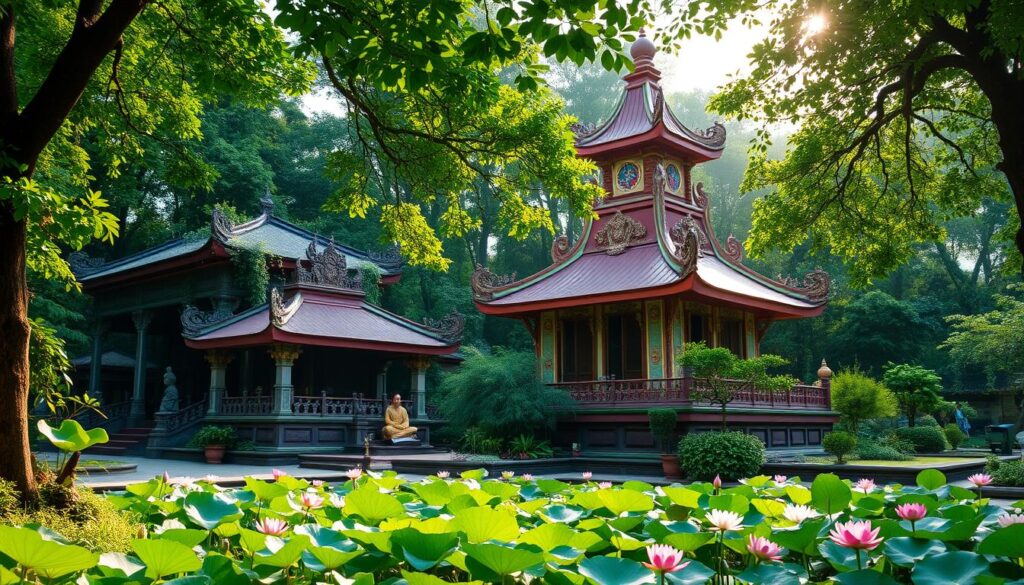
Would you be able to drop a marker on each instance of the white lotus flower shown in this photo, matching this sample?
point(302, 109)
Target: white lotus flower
point(724, 520)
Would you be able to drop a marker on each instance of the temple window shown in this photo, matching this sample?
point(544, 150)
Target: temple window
point(699, 328)
point(625, 347)
point(730, 334)
point(577, 350)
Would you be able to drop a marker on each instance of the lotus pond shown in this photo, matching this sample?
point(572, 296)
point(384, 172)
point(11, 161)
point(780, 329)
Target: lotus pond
point(387, 529)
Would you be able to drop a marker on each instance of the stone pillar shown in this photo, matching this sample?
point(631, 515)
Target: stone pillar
point(284, 355)
point(96, 365)
point(142, 319)
point(218, 360)
point(418, 384)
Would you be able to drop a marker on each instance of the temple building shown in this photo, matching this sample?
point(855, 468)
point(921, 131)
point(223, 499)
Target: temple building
point(646, 276)
point(310, 369)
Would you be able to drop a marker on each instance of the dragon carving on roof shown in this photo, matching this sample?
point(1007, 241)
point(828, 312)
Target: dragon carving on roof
point(689, 240)
point(620, 232)
point(328, 268)
point(485, 282)
point(450, 327)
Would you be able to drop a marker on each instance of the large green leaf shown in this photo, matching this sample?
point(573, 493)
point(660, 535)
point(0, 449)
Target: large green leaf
point(773, 574)
point(842, 558)
point(864, 577)
point(225, 571)
point(548, 536)
point(372, 506)
point(619, 501)
point(280, 553)
point(423, 551)
point(119, 564)
point(165, 557)
point(187, 536)
point(48, 558)
point(426, 579)
point(951, 567)
point(486, 560)
point(688, 541)
point(328, 557)
point(829, 494)
point(695, 573)
point(482, 524)
point(561, 513)
point(931, 479)
point(70, 436)
point(683, 496)
point(434, 493)
point(265, 491)
point(906, 552)
point(802, 539)
point(615, 571)
point(209, 510)
point(1005, 542)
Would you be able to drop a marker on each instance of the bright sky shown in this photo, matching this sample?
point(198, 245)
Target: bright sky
point(702, 63)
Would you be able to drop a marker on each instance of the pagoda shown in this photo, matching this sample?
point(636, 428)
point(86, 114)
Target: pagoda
point(647, 275)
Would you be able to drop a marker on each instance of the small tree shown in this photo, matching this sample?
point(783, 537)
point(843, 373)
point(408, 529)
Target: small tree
point(917, 389)
point(858, 397)
point(663, 426)
point(840, 444)
point(724, 375)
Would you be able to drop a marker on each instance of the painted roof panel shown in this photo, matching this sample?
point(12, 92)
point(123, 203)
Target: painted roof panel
point(720, 275)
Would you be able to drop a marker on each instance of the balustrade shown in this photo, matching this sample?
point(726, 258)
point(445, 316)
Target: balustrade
point(170, 422)
point(245, 405)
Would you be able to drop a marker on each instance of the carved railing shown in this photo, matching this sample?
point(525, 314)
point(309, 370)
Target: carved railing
point(325, 405)
point(172, 422)
point(244, 405)
point(113, 415)
point(686, 391)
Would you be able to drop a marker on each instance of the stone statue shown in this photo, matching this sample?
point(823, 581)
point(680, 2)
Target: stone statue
point(169, 403)
point(396, 420)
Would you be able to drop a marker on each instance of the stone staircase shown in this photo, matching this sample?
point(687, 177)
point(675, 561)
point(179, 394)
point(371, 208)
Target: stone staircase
point(128, 441)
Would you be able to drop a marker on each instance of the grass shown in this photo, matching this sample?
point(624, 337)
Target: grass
point(915, 462)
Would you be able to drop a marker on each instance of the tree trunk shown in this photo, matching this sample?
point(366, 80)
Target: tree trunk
point(15, 456)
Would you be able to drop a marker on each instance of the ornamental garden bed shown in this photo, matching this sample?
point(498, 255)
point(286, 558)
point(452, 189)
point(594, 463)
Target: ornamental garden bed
point(383, 528)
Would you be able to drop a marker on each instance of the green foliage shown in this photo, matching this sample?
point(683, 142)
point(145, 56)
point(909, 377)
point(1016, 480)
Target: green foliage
point(876, 328)
point(79, 515)
point(917, 389)
point(213, 435)
point(501, 394)
point(1005, 473)
point(857, 397)
point(946, 409)
point(731, 455)
point(926, 439)
point(251, 274)
point(50, 383)
point(954, 436)
point(992, 340)
point(723, 374)
point(663, 423)
point(840, 444)
point(371, 283)
point(528, 447)
point(476, 440)
point(879, 451)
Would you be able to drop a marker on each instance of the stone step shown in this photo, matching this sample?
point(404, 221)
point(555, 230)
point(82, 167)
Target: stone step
point(106, 450)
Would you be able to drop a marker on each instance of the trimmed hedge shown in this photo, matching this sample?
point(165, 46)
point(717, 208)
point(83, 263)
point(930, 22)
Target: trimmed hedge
point(731, 455)
point(926, 439)
point(840, 444)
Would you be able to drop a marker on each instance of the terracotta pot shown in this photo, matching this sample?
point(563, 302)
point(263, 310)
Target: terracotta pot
point(215, 453)
point(670, 466)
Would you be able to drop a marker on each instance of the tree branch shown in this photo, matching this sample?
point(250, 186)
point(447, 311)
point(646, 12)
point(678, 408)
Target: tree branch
point(8, 82)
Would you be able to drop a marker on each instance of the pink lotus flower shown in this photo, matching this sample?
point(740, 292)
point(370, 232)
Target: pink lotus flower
point(587, 475)
point(912, 512)
point(763, 549)
point(1008, 519)
point(443, 474)
point(507, 475)
point(527, 477)
point(980, 479)
point(781, 479)
point(866, 485)
point(717, 482)
point(318, 483)
point(665, 559)
point(278, 474)
point(272, 526)
point(604, 485)
point(354, 473)
point(724, 520)
point(855, 535)
point(311, 500)
point(166, 477)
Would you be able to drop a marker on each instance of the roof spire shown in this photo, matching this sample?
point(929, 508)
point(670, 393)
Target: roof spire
point(643, 50)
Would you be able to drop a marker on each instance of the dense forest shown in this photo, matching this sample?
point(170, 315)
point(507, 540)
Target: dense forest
point(245, 152)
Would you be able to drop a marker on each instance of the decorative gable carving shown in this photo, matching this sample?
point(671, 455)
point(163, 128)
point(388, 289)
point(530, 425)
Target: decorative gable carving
point(618, 233)
point(281, 311)
point(450, 327)
point(689, 240)
point(328, 268)
point(733, 250)
point(485, 282)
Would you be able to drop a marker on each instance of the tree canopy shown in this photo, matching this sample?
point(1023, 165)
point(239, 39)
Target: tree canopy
point(917, 389)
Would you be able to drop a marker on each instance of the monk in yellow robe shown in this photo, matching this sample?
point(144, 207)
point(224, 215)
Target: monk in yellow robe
point(396, 420)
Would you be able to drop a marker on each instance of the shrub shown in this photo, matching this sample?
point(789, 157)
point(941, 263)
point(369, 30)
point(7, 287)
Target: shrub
point(501, 394)
point(892, 441)
point(528, 447)
point(858, 397)
point(477, 440)
point(869, 449)
point(926, 439)
point(1007, 473)
point(213, 435)
point(663, 426)
point(78, 514)
point(954, 436)
point(731, 455)
point(840, 444)
point(927, 421)
point(916, 389)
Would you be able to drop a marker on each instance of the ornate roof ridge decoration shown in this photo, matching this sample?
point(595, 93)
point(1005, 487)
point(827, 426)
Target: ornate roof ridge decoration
point(816, 285)
point(658, 180)
point(562, 251)
point(280, 311)
point(223, 229)
point(581, 130)
point(82, 264)
point(389, 256)
point(450, 327)
point(700, 198)
point(688, 238)
point(194, 320)
point(620, 232)
point(733, 250)
point(485, 282)
point(658, 113)
point(328, 268)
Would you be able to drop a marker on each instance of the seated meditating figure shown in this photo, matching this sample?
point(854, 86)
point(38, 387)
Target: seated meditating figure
point(396, 420)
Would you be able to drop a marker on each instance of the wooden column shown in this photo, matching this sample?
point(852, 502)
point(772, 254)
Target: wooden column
point(218, 360)
point(284, 355)
point(141, 319)
point(418, 384)
point(96, 367)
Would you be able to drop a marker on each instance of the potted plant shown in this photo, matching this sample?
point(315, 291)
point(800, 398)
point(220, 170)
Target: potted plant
point(214, 441)
point(663, 427)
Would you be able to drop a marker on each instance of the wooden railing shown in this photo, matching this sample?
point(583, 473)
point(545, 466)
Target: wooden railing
point(325, 405)
point(114, 414)
point(244, 405)
point(686, 391)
